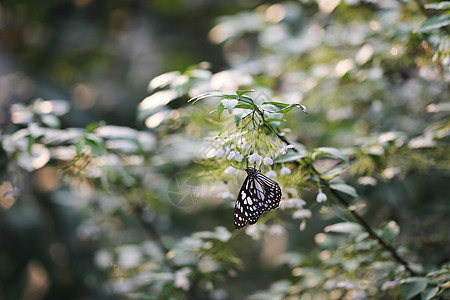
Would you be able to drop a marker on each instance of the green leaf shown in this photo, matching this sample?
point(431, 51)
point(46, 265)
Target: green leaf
point(290, 107)
point(285, 107)
point(344, 188)
point(220, 109)
point(303, 108)
point(429, 293)
point(416, 279)
point(277, 104)
point(438, 5)
point(220, 233)
point(331, 152)
point(291, 156)
point(210, 95)
point(246, 106)
point(92, 126)
point(390, 231)
point(31, 141)
point(243, 92)
point(51, 121)
point(274, 120)
point(95, 143)
point(330, 174)
point(240, 114)
point(344, 227)
point(435, 23)
point(411, 289)
point(97, 149)
point(79, 146)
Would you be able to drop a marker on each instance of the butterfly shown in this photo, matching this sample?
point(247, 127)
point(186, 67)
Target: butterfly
point(258, 194)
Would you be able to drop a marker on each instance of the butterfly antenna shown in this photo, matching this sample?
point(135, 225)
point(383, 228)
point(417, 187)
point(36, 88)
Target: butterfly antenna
point(237, 167)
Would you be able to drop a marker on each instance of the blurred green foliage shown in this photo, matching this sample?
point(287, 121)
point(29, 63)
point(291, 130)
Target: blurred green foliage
point(90, 201)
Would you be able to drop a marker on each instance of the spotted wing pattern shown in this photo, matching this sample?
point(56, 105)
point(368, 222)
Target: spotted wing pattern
point(257, 195)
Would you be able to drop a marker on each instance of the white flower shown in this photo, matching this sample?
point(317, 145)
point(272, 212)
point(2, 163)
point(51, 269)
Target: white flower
point(292, 203)
point(253, 232)
point(301, 214)
point(390, 173)
point(220, 153)
point(255, 158)
point(285, 148)
point(226, 196)
point(321, 197)
point(367, 180)
point(346, 285)
point(181, 279)
point(229, 103)
point(230, 170)
point(388, 285)
point(277, 230)
point(234, 154)
point(268, 161)
point(360, 295)
point(271, 174)
point(238, 157)
point(285, 171)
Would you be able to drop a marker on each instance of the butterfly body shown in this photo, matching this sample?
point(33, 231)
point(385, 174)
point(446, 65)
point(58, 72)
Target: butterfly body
point(257, 195)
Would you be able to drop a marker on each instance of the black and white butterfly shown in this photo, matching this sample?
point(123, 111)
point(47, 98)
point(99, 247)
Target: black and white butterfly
point(258, 194)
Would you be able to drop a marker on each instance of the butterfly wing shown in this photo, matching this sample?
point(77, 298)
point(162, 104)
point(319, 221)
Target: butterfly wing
point(246, 209)
point(271, 192)
point(257, 195)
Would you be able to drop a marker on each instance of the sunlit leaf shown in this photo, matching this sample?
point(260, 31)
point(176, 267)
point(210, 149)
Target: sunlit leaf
point(390, 231)
point(344, 188)
point(412, 288)
point(30, 143)
point(285, 107)
point(51, 121)
point(329, 151)
point(435, 22)
point(277, 104)
point(246, 106)
point(273, 120)
point(38, 157)
point(79, 147)
point(291, 156)
point(95, 143)
point(444, 5)
point(344, 227)
point(220, 233)
point(220, 109)
point(240, 113)
point(212, 94)
point(243, 92)
point(429, 293)
point(330, 174)
point(162, 80)
point(158, 99)
point(92, 126)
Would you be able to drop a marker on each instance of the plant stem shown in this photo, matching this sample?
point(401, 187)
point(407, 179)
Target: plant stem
point(357, 217)
point(371, 232)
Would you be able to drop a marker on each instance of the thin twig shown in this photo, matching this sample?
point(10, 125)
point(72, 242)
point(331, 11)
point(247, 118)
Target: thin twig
point(371, 232)
point(357, 217)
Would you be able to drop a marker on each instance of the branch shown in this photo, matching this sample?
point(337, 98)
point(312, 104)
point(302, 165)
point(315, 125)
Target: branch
point(357, 217)
point(371, 232)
